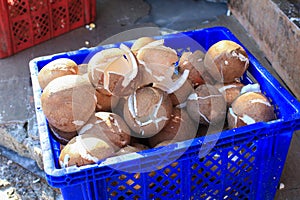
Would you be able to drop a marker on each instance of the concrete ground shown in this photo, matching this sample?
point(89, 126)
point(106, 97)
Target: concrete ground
point(17, 118)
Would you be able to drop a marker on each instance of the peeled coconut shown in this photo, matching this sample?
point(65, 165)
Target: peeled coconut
point(156, 53)
point(226, 61)
point(157, 67)
point(85, 149)
point(105, 101)
point(109, 127)
point(179, 128)
point(68, 102)
point(147, 111)
point(114, 70)
point(56, 68)
point(206, 105)
point(139, 43)
point(181, 88)
point(249, 108)
point(230, 91)
point(194, 63)
point(156, 62)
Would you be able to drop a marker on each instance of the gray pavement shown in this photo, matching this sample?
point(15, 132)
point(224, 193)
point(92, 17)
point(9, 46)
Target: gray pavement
point(17, 119)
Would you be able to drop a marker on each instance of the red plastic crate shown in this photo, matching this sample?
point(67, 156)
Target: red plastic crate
point(25, 23)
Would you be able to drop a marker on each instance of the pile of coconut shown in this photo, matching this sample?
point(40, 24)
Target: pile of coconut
point(131, 99)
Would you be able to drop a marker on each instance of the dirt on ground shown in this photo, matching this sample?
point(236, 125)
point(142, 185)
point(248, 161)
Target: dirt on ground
point(18, 183)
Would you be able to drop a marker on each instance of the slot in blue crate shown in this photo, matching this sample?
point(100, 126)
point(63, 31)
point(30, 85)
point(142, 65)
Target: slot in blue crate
point(245, 163)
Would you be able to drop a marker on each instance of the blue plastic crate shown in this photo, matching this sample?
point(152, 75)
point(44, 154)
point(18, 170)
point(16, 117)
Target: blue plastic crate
point(245, 163)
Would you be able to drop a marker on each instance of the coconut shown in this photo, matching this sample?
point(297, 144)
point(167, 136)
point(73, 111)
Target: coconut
point(114, 70)
point(105, 101)
point(85, 149)
point(139, 43)
point(249, 108)
point(206, 105)
point(179, 128)
point(68, 102)
point(179, 89)
point(230, 91)
point(156, 62)
point(147, 111)
point(61, 136)
point(194, 63)
point(109, 127)
point(56, 68)
point(226, 61)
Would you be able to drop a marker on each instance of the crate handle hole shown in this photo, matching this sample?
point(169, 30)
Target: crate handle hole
point(68, 179)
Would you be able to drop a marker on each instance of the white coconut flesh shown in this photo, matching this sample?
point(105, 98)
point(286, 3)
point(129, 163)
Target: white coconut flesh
point(261, 101)
point(151, 44)
point(182, 105)
point(85, 128)
point(145, 120)
point(115, 123)
point(203, 116)
point(170, 86)
point(247, 119)
point(226, 87)
point(109, 119)
point(125, 66)
point(78, 122)
point(65, 162)
point(101, 59)
point(210, 96)
point(233, 115)
point(158, 72)
point(194, 96)
point(250, 88)
point(240, 56)
point(103, 116)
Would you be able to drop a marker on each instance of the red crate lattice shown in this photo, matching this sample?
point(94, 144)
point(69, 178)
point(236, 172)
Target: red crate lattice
point(21, 32)
point(59, 18)
point(41, 26)
point(37, 5)
point(25, 23)
point(17, 8)
point(75, 10)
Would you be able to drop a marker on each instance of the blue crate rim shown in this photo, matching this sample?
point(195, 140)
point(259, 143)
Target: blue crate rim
point(51, 170)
